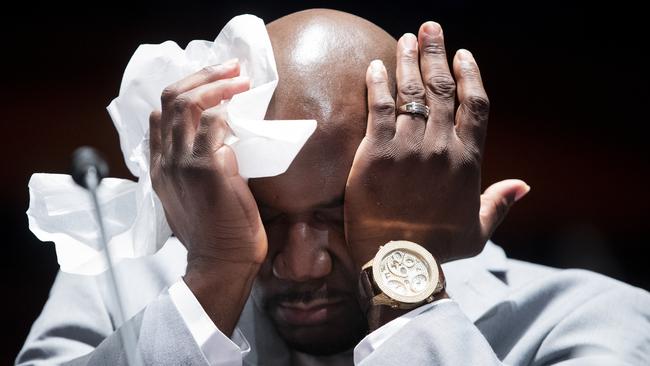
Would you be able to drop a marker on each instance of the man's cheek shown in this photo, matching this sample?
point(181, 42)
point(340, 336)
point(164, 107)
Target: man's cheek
point(275, 234)
point(261, 292)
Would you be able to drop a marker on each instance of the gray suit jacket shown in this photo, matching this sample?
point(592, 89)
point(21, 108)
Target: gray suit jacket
point(504, 311)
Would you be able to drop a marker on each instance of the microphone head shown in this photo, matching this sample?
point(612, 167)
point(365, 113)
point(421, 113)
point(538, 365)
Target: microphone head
point(83, 160)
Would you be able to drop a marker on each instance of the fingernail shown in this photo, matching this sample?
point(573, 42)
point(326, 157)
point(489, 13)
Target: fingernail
point(377, 69)
point(522, 193)
point(242, 79)
point(465, 55)
point(432, 28)
point(231, 62)
point(410, 41)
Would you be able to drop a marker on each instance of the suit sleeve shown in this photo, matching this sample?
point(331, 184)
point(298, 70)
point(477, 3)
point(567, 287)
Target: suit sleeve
point(611, 328)
point(75, 329)
point(441, 335)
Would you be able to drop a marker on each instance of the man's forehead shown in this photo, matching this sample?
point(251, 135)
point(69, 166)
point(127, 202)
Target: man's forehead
point(319, 171)
point(316, 177)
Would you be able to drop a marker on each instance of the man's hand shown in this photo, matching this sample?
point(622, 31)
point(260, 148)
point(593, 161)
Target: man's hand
point(418, 179)
point(207, 203)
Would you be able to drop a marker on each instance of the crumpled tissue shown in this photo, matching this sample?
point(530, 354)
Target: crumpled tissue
point(134, 218)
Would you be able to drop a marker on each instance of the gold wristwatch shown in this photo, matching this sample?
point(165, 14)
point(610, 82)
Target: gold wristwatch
point(403, 275)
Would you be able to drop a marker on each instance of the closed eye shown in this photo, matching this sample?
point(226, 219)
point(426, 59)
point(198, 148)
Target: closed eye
point(269, 215)
point(330, 214)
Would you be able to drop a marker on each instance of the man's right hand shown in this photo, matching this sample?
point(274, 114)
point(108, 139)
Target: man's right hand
point(207, 203)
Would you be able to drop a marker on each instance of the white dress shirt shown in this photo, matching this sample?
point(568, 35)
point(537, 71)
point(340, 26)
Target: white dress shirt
point(220, 350)
point(217, 348)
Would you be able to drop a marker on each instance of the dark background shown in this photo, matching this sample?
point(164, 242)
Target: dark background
point(567, 85)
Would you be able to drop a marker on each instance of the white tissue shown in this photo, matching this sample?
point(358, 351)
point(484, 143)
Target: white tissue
point(59, 211)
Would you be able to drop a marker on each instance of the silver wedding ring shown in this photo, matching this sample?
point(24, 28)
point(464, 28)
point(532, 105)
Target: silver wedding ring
point(414, 108)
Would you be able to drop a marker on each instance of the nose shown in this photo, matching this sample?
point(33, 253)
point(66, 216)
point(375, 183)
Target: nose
point(304, 256)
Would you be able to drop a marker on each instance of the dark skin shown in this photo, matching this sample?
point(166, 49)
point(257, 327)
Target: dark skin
point(366, 176)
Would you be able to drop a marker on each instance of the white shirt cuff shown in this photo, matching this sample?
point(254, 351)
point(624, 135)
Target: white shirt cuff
point(217, 348)
point(375, 339)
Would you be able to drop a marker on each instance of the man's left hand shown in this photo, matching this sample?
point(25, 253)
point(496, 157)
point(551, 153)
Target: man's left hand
point(418, 179)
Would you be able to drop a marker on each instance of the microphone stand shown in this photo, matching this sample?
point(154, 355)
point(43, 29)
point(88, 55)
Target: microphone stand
point(90, 179)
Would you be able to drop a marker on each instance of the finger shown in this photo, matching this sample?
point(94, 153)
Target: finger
point(210, 141)
point(474, 108)
point(154, 139)
point(155, 152)
point(440, 86)
point(409, 127)
point(208, 74)
point(381, 106)
point(191, 104)
point(496, 201)
point(212, 131)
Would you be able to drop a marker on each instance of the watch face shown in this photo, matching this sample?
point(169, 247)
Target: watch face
point(405, 271)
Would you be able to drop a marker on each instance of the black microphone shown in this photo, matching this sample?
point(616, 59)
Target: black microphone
point(88, 167)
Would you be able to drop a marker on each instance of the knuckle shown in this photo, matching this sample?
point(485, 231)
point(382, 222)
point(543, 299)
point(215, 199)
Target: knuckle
point(407, 159)
point(209, 116)
point(441, 87)
point(175, 166)
point(165, 167)
point(409, 151)
point(201, 146)
point(471, 156)
point(412, 90)
point(478, 105)
point(183, 103)
point(470, 71)
point(467, 161)
point(207, 70)
point(178, 127)
point(168, 95)
point(205, 118)
point(384, 155)
point(409, 56)
point(198, 169)
point(438, 152)
point(433, 49)
point(154, 122)
point(383, 106)
point(187, 167)
point(154, 116)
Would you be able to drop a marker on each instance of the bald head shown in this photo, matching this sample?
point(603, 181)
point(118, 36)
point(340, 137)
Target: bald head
point(322, 56)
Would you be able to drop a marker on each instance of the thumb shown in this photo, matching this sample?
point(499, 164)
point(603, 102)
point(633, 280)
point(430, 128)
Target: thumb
point(496, 201)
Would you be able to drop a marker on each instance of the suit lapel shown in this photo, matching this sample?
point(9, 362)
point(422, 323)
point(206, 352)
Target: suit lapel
point(472, 282)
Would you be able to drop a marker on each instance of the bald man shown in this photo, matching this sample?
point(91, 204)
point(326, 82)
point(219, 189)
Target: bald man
point(270, 271)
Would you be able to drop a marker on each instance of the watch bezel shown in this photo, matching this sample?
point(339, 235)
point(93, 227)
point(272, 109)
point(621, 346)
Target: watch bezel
point(420, 252)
